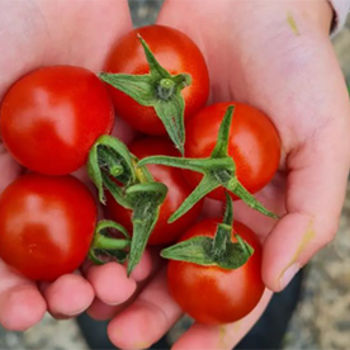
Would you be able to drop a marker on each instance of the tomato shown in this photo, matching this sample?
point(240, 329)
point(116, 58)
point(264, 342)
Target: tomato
point(51, 117)
point(254, 144)
point(213, 295)
point(178, 190)
point(177, 53)
point(46, 225)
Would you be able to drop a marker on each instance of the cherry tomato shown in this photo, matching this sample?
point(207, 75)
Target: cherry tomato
point(177, 53)
point(213, 295)
point(254, 144)
point(178, 190)
point(46, 225)
point(51, 117)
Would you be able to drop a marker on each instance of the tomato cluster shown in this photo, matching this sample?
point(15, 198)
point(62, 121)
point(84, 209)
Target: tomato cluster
point(57, 119)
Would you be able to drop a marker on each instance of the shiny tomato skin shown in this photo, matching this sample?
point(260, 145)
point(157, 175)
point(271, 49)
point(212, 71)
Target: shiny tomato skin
point(212, 295)
point(254, 144)
point(51, 117)
point(46, 225)
point(178, 190)
point(177, 53)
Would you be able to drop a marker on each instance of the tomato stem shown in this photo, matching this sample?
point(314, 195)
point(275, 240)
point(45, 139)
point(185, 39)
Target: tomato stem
point(146, 199)
point(103, 244)
point(218, 251)
point(219, 170)
point(158, 89)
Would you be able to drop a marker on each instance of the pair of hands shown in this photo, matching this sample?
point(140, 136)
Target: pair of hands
point(255, 55)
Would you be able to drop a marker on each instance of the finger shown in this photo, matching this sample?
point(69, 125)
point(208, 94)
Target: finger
point(111, 283)
point(152, 314)
point(101, 309)
point(21, 304)
point(223, 337)
point(315, 195)
point(68, 296)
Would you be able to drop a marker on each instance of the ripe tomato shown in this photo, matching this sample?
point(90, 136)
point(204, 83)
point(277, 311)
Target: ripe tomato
point(177, 53)
point(213, 295)
point(46, 225)
point(51, 117)
point(178, 190)
point(254, 144)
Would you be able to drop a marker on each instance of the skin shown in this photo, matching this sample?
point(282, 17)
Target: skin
point(212, 295)
point(57, 120)
point(178, 191)
point(265, 64)
point(254, 144)
point(177, 54)
point(55, 217)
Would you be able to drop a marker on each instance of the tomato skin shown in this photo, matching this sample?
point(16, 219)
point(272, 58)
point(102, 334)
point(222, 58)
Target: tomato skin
point(177, 53)
point(50, 118)
point(212, 295)
point(254, 144)
point(178, 188)
point(46, 225)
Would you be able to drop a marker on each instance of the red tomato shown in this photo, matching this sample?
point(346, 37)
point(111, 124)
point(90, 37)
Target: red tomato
point(254, 144)
point(51, 117)
point(213, 295)
point(46, 225)
point(177, 53)
point(178, 191)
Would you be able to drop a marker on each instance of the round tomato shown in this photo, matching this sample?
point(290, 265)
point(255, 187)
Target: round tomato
point(254, 144)
point(178, 191)
point(51, 117)
point(210, 294)
point(177, 53)
point(46, 225)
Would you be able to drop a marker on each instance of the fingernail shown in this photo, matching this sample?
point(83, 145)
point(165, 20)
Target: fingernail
point(289, 274)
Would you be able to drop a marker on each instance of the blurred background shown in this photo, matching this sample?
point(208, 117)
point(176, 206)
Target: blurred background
point(321, 319)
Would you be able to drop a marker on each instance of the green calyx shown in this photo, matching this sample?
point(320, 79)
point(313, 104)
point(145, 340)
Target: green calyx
point(110, 158)
point(219, 251)
point(112, 167)
point(145, 199)
point(105, 247)
point(219, 170)
point(158, 89)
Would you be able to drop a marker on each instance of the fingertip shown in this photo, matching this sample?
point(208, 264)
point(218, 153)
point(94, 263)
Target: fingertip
point(286, 249)
point(69, 296)
point(129, 330)
point(111, 284)
point(21, 307)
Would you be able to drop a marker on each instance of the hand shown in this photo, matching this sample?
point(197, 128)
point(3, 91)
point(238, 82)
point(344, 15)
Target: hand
point(50, 33)
point(277, 56)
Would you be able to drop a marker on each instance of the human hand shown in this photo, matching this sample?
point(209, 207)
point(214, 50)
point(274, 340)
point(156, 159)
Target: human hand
point(34, 34)
point(277, 56)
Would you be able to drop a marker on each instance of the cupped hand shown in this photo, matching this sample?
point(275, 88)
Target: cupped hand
point(39, 33)
point(277, 56)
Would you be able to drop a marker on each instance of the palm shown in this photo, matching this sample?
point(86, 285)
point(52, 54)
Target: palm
point(53, 33)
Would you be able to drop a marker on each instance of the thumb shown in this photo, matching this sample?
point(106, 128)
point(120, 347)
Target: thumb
point(316, 185)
